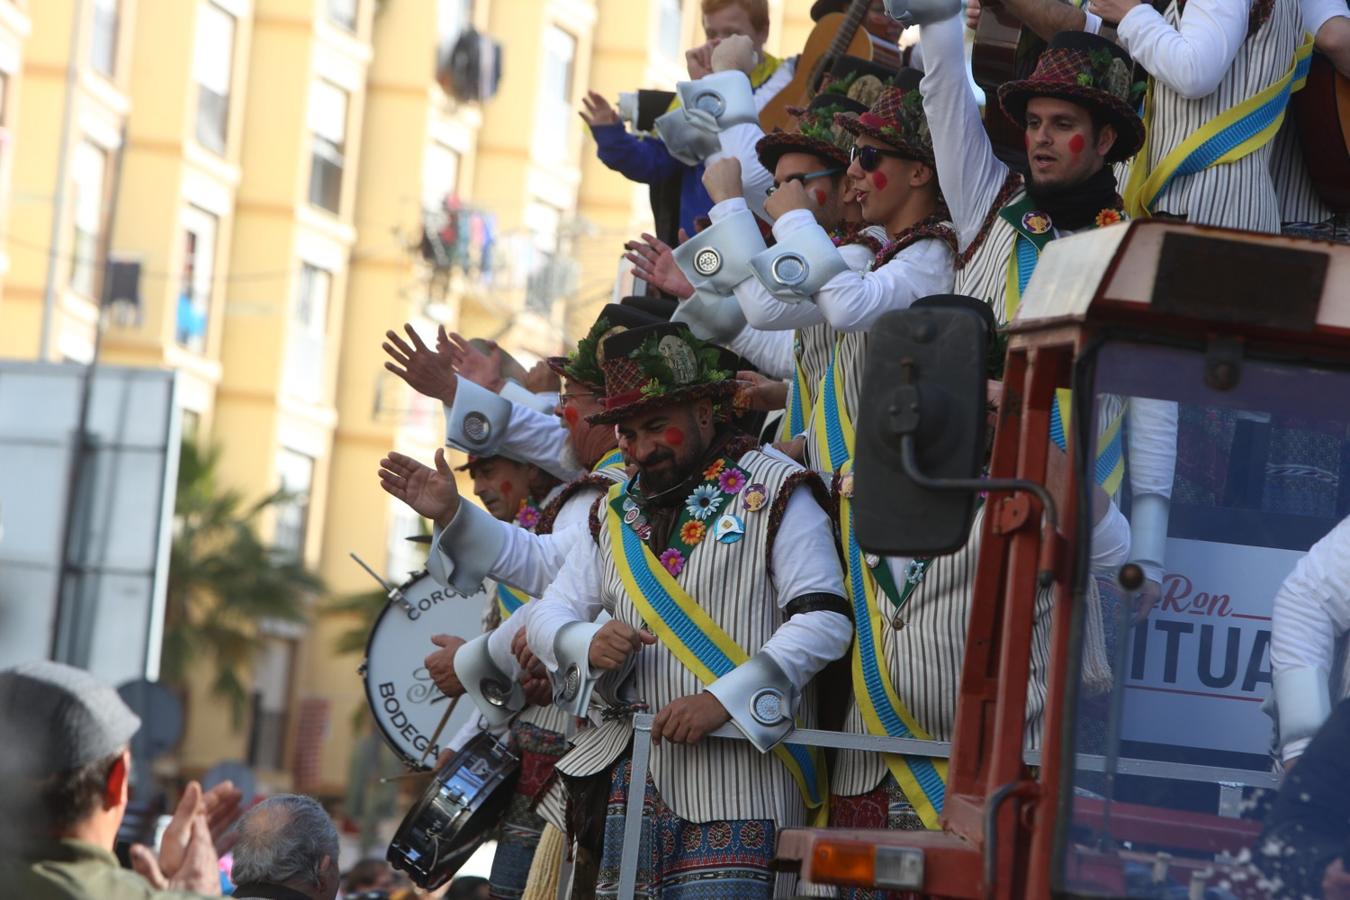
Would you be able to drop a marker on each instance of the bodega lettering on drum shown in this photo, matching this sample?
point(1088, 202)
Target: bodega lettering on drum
point(397, 719)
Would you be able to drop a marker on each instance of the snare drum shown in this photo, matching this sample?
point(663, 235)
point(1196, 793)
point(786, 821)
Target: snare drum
point(465, 800)
point(405, 702)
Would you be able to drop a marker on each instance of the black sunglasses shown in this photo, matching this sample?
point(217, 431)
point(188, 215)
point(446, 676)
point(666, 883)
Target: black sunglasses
point(868, 158)
point(804, 177)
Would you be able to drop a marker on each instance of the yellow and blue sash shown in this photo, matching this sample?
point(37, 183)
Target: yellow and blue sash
point(509, 600)
point(693, 638)
point(794, 417)
point(1026, 253)
point(611, 460)
point(1228, 137)
point(883, 713)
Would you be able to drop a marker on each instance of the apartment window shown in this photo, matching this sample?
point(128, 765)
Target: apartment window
point(212, 69)
point(343, 13)
point(670, 28)
point(328, 129)
point(195, 280)
point(103, 41)
point(555, 95)
point(296, 473)
point(273, 670)
point(309, 322)
point(90, 166)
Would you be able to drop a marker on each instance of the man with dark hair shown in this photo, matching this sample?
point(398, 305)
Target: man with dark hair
point(65, 765)
point(287, 850)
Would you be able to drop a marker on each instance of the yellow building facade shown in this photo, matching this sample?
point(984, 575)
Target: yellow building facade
point(292, 180)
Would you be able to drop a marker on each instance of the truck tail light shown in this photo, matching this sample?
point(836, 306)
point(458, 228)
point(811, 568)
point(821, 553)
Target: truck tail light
point(866, 865)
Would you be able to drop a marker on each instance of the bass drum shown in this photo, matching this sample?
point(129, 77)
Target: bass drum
point(405, 702)
point(465, 800)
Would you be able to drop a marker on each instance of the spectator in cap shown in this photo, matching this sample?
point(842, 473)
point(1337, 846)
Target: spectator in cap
point(65, 764)
point(287, 849)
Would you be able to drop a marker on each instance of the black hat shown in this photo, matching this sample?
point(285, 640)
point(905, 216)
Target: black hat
point(581, 365)
point(657, 366)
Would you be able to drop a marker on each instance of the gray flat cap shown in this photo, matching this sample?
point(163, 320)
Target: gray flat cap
point(56, 717)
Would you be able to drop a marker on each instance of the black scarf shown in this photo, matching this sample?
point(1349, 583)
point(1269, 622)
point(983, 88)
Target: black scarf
point(1076, 207)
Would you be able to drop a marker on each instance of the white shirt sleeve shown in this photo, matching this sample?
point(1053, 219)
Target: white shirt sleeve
point(767, 313)
point(1110, 544)
point(805, 561)
point(529, 561)
point(537, 438)
point(770, 351)
point(739, 141)
point(1192, 58)
point(574, 596)
point(1151, 437)
point(970, 174)
point(852, 301)
point(1317, 12)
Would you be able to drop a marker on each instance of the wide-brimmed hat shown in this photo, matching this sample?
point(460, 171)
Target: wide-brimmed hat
point(658, 365)
point(1090, 71)
point(852, 88)
point(896, 118)
point(581, 364)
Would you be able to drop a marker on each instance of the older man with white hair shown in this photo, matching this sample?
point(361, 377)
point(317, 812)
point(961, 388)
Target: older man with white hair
point(287, 850)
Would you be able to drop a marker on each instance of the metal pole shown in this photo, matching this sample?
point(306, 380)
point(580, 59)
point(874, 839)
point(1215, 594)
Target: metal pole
point(62, 163)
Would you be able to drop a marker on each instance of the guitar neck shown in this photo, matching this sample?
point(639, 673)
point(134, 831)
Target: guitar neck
point(849, 27)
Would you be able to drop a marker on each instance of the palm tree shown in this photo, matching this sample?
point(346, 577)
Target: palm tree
point(223, 580)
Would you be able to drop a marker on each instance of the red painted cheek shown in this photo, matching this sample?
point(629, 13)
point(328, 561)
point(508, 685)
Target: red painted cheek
point(1076, 144)
point(879, 180)
point(570, 415)
point(674, 437)
point(820, 197)
point(507, 487)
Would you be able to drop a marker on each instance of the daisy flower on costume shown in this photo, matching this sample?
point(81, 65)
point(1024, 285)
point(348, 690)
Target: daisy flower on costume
point(528, 517)
point(731, 481)
point(673, 560)
point(714, 470)
point(703, 502)
point(692, 532)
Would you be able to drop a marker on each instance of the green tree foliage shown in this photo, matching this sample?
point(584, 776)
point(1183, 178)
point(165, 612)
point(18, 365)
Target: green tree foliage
point(223, 581)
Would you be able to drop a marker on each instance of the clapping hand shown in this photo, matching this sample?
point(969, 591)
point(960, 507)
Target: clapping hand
point(654, 262)
point(431, 493)
point(440, 664)
point(187, 858)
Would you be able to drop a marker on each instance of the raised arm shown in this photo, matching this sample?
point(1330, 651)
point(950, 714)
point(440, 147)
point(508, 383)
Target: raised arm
point(970, 175)
point(1192, 58)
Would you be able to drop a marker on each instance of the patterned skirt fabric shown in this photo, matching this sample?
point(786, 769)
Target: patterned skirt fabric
point(521, 827)
point(884, 808)
point(680, 860)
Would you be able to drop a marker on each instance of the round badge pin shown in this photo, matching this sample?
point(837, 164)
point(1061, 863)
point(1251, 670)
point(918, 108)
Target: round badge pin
point(846, 485)
point(630, 516)
point(754, 497)
point(729, 529)
point(1036, 222)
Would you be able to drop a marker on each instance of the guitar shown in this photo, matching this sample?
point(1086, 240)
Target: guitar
point(835, 35)
point(1322, 113)
point(1002, 53)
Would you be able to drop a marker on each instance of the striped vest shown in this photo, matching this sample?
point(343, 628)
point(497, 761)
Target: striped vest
point(715, 779)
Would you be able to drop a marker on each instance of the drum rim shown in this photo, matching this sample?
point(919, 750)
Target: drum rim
point(389, 603)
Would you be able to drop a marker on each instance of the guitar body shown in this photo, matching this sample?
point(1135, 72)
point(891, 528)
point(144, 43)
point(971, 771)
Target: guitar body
point(798, 91)
point(997, 57)
point(1322, 113)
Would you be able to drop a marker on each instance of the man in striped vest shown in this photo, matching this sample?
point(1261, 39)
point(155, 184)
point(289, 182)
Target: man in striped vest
point(710, 624)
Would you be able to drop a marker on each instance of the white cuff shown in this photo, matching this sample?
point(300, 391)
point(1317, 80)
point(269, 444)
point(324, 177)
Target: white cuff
point(711, 317)
point(466, 549)
point(791, 221)
point(1148, 533)
point(760, 698)
point(1302, 702)
point(718, 257)
point(495, 693)
point(796, 268)
point(518, 393)
point(726, 208)
point(476, 422)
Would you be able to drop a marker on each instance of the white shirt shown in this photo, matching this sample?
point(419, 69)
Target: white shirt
point(970, 174)
point(1317, 12)
point(539, 439)
point(853, 300)
point(1312, 612)
point(1193, 58)
point(806, 562)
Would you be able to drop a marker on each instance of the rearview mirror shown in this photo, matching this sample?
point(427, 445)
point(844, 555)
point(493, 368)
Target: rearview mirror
point(924, 383)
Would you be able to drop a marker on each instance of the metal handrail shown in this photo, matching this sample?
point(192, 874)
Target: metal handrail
point(1230, 780)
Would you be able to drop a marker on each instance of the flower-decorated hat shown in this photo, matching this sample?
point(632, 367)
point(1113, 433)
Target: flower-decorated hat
point(581, 364)
point(1091, 71)
point(816, 132)
point(896, 118)
point(658, 365)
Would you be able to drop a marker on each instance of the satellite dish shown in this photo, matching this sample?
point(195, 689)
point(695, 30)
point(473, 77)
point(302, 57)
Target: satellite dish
point(161, 715)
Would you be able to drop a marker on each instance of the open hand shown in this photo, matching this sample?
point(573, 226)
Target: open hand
point(596, 111)
point(187, 859)
point(432, 493)
point(654, 262)
point(699, 61)
point(441, 664)
point(483, 369)
point(429, 372)
point(722, 179)
point(614, 643)
point(541, 379)
point(788, 196)
point(688, 719)
point(223, 805)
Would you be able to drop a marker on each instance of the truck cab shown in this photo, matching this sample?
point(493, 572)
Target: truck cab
point(1150, 771)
